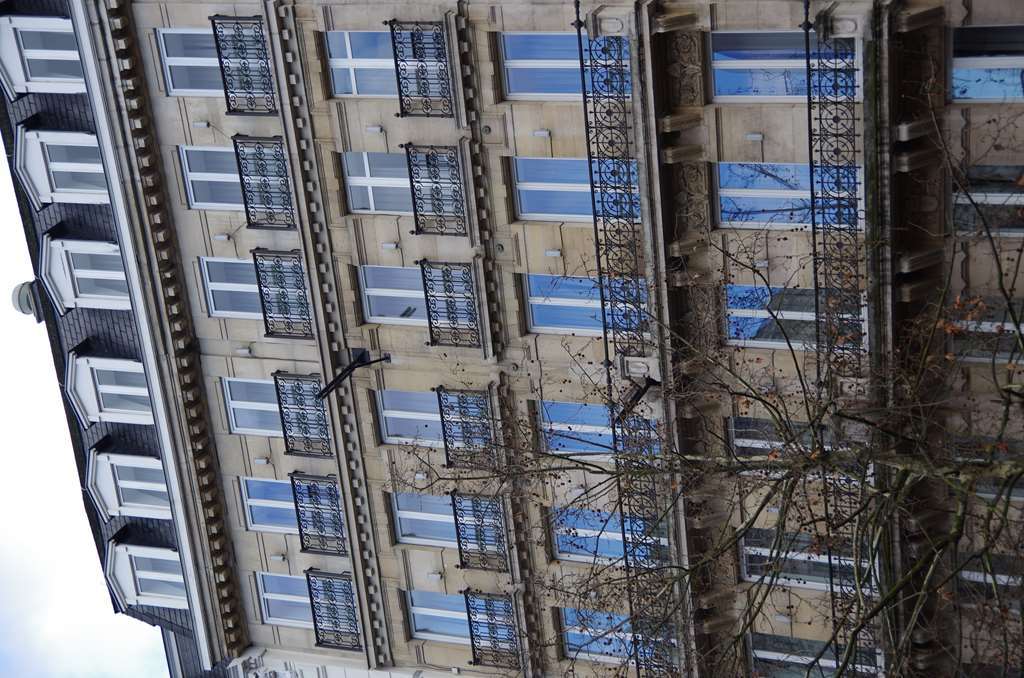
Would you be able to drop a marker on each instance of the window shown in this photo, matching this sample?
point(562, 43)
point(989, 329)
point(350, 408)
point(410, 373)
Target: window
point(980, 581)
point(988, 63)
point(776, 655)
point(362, 63)
point(128, 485)
point(60, 167)
point(998, 195)
point(378, 182)
point(588, 535)
point(554, 189)
point(231, 288)
point(108, 389)
point(410, 418)
point(39, 54)
point(577, 429)
point(987, 331)
point(252, 406)
point(284, 600)
point(146, 575)
point(84, 274)
point(770, 66)
point(211, 178)
point(424, 519)
point(571, 305)
point(751, 323)
point(802, 569)
point(778, 195)
point(269, 505)
point(436, 616)
point(596, 636)
point(754, 437)
point(189, 57)
point(541, 65)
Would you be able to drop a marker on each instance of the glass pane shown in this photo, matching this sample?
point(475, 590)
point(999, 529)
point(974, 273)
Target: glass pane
point(120, 378)
point(341, 81)
point(358, 198)
point(336, 47)
point(380, 81)
point(555, 203)
point(87, 155)
point(139, 497)
point(769, 176)
point(427, 529)
point(569, 317)
point(139, 474)
point(79, 181)
point(283, 584)
point(215, 162)
point(993, 84)
point(371, 45)
point(236, 272)
point(410, 308)
point(57, 41)
point(412, 429)
point(988, 41)
point(541, 46)
point(388, 165)
point(123, 402)
point(542, 80)
point(196, 45)
point(101, 287)
point(290, 609)
point(576, 413)
point(161, 587)
point(272, 516)
point(553, 171)
point(231, 301)
point(759, 46)
point(217, 192)
point(196, 78)
point(145, 564)
point(761, 82)
point(257, 420)
point(388, 199)
point(764, 211)
point(438, 601)
point(410, 401)
point(54, 68)
point(90, 261)
point(252, 391)
point(393, 277)
point(563, 287)
point(443, 626)
point(424, 503)
point(353, 163)
point(276, 490)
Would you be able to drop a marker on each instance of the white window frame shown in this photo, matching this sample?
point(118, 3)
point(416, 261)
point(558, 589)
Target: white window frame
point(420, 515)
point(34, 168)
point(60, 276)
point(248, 501)
point(1000, 199)
point(592, 656)
point(365, 292)
point(807, 661)
point(14, 75)
point(570, 427)
point(103, 485)
point(797, 344)
point(775, 64)
point(796, 555)
point(121, 575)
point(167, 61)
point(84, 391)
point(610, 534)
point(264, 596)
point(545, 186)
point(532, 300)
point(352, 63)
point(369, 182)
point(210, 287)
point(404, 414)
point(986, 63)
point(538, 64)
point(189, 176)
point(229, 405)
point(434, 612)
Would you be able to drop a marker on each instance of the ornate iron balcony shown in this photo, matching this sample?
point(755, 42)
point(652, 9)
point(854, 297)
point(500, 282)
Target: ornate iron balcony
point(493, 630)
point(281, 279)
point(318, 509)
point(245, 64)
point(438, 198)
point(266, 187)
point(307, 431)
point(467, 428)
point(452, 315)
point(480, 530)
point(335, 611)
point(421, 64)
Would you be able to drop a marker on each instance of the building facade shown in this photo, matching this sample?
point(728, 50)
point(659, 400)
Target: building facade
point(635, 338)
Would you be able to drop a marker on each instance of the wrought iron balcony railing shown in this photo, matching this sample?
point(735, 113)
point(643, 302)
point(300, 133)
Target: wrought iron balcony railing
point(307, 430)
point(438, 197)
point(421, 65)
point(480, 530)
point(467, 428)
point(335, 611)
point(266, 186)
point(493, 630)
point(281, 280)
point(245, 64)
point(452, 314)
point(318, 509)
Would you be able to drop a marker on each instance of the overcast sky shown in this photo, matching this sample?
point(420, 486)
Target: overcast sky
point(56, 619)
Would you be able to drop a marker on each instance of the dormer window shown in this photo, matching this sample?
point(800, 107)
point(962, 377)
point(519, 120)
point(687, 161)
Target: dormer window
point(39, 54)
point(146, 575)
point(128, 485)
point(108, 389)
point(60, 167)
point(84, 274)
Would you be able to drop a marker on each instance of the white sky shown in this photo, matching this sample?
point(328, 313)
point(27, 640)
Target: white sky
point(56, 618)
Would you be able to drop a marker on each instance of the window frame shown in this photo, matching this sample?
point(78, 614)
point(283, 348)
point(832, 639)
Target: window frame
point(104, 485)
point(365, 294)
point(266, 617)
point(565, 629)
point(985, 63)
point(383, 414)
point(229, 407)
point(548, 425)
point(15, 77)
point(209, 287)
point(123, 576)
point(413, 610)
point(400, 513)
point(166, 62)
point(794, 582)
point(248, 501)
point(34, 169)
point(84, 391)
point(518, 185)
point(532, 300)
point(60, 278)
point(538, 64)
point(795, 344)
point(350, 64)
point(370, 182)
point(613, 535)
point(804, 661)
point(188, 176)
